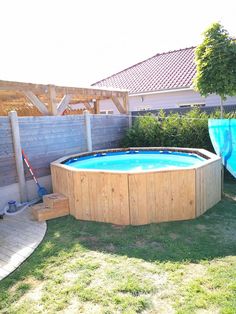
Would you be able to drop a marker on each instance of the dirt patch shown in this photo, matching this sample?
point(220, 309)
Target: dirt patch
point(208, 311)
point(35, 294)
point(88, 239)
point(157, 245)
point(73, 308)
point(161, 307)
point(118, 227)
point(110, 247)
point(201, 227)
point(229, 196)
point(158, 279)
point(70, 277)
point(193, 271)
point(140, 244)
point(173, 236)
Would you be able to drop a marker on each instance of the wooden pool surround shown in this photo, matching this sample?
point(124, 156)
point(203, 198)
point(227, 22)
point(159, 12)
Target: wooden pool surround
point(139, 198)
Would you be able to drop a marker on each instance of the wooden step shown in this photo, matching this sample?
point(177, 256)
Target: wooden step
point(56, 201)
point(54, 205)
point(47, 213)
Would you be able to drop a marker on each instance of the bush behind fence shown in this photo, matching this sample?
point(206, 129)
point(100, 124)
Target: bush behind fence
point(173, 129)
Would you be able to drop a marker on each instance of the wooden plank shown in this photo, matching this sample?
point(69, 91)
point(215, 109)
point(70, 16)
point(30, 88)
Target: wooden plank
point(162, 196)
point(77, 196)
point(84, 187)
point(208, 186)
point(52, 100)
point(138, 199)
point(97, 196)
point(87, 106)
point(63, 182)
point(9, 89)
point(118, 105)
point(63, 104)
point(120, 199)
point(97, 107)
point(36, 102)
point(126, 103)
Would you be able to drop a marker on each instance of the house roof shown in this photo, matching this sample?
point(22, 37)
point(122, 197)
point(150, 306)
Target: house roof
point(169, 70)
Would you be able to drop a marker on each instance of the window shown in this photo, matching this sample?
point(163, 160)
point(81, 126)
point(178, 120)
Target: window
point(193, 105)
point(143, 108)
point(108, 111)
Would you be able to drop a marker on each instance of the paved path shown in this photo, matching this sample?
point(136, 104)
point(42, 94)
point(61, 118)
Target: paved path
point(19, 237)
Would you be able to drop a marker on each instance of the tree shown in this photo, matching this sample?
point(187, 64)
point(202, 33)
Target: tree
point(216, 64)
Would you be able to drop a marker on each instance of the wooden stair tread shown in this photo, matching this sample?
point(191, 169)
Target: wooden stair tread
point(53, 206)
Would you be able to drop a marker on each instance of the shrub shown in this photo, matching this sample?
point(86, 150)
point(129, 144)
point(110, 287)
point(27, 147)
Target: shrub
point(174, 130)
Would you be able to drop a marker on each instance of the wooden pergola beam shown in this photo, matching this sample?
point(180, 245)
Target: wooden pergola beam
point(97, 107)
point(63, 104)
point(36, 102)
point(126, 103)
point(118, 105)
point(88, 93)
point(87, 105)
point(53, 100)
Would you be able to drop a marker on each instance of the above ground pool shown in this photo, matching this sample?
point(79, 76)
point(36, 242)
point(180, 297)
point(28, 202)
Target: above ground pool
point(135, 160)
point(137, 186)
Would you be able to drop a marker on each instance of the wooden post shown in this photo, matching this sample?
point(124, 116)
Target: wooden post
point(18, 155)
point(88, 131)
point(96, 107)
point(52, 100)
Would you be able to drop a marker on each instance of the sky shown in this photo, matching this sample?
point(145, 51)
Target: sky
point(78, 42)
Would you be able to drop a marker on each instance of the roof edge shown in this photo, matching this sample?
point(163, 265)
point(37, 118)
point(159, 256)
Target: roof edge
point(130, 67)
point(162, 91)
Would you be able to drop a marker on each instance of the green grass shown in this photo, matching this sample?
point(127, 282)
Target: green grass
point(86, 267)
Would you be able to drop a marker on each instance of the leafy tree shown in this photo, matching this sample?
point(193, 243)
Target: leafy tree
point(216, 64)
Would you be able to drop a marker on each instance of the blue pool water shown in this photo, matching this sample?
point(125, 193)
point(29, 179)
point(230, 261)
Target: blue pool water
point(135, 161)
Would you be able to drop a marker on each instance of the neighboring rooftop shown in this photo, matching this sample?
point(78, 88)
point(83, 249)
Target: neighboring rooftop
point(169, 70)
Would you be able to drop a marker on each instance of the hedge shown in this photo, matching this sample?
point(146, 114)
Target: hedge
point(172, 130)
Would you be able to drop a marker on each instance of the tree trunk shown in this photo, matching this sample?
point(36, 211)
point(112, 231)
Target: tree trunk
point(221, 107)
point(222, 166)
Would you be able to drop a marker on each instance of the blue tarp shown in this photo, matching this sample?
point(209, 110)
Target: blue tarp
point(223, 137)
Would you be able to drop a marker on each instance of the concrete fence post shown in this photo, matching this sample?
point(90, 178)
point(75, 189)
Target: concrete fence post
point(18, 155)
point(87, 117)
point(130, 119)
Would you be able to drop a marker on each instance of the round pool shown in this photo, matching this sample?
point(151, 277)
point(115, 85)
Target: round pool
point(139, 185)
point(135, 160)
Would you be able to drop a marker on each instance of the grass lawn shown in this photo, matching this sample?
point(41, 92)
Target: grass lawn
point(86, 267)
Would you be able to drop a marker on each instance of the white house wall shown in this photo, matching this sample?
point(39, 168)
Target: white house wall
point(167, 100)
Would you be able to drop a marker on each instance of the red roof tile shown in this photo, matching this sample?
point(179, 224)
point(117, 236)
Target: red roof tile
point(169, 70)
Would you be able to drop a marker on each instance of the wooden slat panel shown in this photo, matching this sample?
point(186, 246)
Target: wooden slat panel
point(140, 198)
point(85, 210)
point(96, 196)
point(208, 186)
point(119, 199)
point(162, 196)
point(63, 182)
